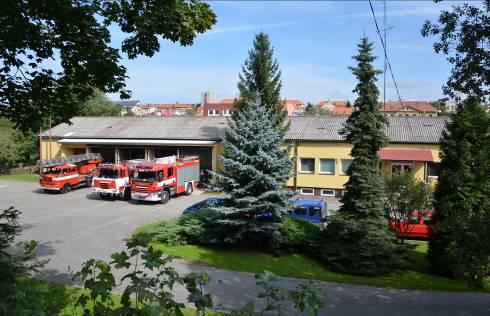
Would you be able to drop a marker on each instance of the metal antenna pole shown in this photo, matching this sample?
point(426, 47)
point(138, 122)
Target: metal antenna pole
point(384, 71)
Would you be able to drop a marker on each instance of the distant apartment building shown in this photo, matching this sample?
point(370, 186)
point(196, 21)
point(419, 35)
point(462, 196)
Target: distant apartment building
point(408, 108)
point(208, 97)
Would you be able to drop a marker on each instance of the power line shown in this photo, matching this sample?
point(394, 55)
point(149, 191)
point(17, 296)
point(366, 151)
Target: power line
point(384, 50)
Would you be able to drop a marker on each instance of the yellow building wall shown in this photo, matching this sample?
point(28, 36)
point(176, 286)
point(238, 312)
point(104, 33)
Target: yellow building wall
point(54, 149)
point(339, 151)
point(315, 150)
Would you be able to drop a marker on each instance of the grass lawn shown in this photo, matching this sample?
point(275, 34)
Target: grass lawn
point(301, 266)
point(30, 177)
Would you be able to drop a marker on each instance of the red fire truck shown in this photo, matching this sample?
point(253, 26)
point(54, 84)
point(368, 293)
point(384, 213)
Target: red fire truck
point(416, 226)
point(65, 173)
point(112, 181)
point(165, 177)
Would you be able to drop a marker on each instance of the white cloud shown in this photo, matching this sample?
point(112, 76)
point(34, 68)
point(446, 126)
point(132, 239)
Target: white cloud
point(179, 84)
point(307, 82)
point(311, 83)
point(250, 27)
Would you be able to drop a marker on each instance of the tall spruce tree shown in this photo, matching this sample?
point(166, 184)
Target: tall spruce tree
point(359, 240)
point(256, 169)
point(460, 242)
point(261, 73)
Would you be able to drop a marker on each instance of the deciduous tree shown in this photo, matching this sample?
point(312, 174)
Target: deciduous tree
point(464, 36)
point(36, 35)
point(404, 195)
point(99, 105)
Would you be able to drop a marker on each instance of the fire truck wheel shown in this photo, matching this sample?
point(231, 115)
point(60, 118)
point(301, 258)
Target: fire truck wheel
point(188, 189)
point(126, 195)
point(165, 197)
point(65, 188)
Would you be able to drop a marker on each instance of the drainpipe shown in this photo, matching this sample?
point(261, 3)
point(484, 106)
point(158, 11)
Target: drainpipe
point(295, 178)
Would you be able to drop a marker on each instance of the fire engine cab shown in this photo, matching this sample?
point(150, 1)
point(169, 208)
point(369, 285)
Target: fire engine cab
point(112, 181)
point(165, 177)
point(66, 173)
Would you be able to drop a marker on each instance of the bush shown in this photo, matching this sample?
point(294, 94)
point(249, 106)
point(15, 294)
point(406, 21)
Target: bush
point(300, 235)
point(194, 228)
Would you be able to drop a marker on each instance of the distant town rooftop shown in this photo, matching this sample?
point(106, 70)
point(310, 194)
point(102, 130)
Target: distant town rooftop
point(412, 129)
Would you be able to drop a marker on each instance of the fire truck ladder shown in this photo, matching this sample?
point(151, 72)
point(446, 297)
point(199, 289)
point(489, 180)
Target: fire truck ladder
point(68, 160)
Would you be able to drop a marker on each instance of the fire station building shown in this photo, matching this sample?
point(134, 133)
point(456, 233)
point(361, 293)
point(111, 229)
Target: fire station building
point(322, 154)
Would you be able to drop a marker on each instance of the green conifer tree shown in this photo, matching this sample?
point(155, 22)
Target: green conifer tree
point(261, 73)
point(256, 169)
point(460, 242)
point(359, 240)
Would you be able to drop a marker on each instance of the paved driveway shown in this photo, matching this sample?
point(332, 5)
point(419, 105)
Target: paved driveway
point(74, 227)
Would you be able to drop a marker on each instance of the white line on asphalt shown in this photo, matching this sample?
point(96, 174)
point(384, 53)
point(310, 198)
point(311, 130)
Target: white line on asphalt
point(3, 186)
point(91, 229)
point(66, 213)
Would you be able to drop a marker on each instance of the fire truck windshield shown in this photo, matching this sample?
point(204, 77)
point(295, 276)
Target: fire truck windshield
point(144, 176)
point(51, 170)
point(107, 173)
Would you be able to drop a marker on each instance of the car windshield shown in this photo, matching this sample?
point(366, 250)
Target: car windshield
point(300, 210)
point(51, 170)
point(315, 211)
point(144, 176)
point(107, 173)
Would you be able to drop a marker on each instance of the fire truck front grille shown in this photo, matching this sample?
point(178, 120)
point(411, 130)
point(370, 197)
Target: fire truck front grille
point(104, 185)
point(142, 189)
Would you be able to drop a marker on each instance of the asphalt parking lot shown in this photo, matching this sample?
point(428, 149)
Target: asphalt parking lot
point(78, 225)
point(74, 227)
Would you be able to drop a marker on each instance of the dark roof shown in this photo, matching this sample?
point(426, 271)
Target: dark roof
point(147, 127)
point(401, 129)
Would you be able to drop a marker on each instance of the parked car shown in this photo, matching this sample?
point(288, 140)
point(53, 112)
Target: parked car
point(314, 211)
point(203, 204)
point(416, 226)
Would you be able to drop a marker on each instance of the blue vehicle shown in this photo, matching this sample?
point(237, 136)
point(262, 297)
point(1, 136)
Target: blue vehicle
point(314, 211)
point(205, 203)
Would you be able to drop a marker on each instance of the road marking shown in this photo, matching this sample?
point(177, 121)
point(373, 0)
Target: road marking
point(93, 228)
point(3, 186)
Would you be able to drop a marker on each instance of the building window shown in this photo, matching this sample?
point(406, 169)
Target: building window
point(212, 112)
point(226, 112)
point(344, 165)
point(399, 167)
point(328, 192)
point(307, 165)
point(327, 166)
point(432, 170)
point(307, 191)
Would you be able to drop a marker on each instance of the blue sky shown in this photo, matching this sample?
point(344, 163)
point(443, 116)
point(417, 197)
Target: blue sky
point(313, 42)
